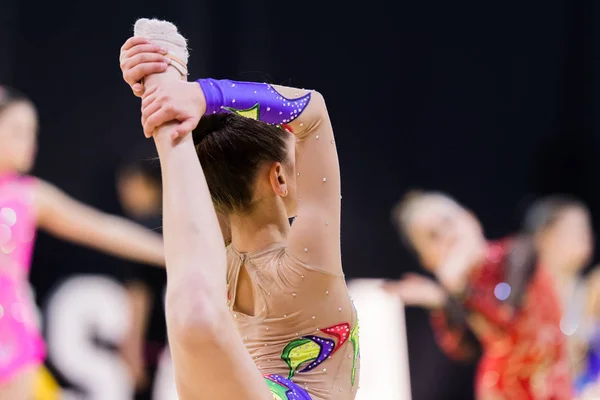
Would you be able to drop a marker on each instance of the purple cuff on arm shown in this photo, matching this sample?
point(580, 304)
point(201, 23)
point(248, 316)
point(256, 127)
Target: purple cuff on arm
point(259, 101)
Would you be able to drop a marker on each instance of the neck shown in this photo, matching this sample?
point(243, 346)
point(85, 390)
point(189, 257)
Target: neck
point(257, 230)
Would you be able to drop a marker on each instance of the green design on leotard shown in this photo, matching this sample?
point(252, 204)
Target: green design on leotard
point(252, 112)
point(279, 392)
point(298, 352)
point(355, 343)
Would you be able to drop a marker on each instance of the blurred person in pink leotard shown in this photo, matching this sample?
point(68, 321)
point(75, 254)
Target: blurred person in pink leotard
point(26, 203)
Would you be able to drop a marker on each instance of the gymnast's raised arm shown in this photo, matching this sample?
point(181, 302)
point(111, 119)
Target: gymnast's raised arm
point(206, 348)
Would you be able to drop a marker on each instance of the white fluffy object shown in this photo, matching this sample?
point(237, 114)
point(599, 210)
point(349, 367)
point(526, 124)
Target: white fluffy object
point(165, 34)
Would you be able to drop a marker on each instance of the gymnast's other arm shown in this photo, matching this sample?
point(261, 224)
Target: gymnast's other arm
point(209, 356)
point(71, 220)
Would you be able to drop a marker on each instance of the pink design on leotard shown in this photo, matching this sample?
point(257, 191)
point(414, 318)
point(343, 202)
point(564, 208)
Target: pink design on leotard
point(21, 344)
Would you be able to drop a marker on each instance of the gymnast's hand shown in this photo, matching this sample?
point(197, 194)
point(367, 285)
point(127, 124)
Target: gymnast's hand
point(178, 101)
point(140, 58)
point(417, 290)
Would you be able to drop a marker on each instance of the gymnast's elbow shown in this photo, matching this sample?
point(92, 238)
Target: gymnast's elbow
point(317, 102)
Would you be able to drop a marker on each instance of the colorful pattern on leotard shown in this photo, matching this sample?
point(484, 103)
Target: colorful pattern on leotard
point(284, 389)
point(354, 338)
point(315, 349)
point(259, 101)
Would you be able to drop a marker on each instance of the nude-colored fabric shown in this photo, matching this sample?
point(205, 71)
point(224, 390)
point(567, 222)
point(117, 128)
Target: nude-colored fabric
point(295, 305)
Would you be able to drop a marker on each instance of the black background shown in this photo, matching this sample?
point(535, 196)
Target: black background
point(491, 101)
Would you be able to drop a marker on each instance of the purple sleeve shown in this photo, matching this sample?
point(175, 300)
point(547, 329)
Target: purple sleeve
point(258, 101)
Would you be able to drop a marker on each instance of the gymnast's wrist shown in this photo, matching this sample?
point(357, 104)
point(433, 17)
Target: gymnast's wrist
point(198, 97)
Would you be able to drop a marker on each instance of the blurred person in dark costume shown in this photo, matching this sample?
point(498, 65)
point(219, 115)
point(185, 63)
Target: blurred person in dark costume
point(140, 193)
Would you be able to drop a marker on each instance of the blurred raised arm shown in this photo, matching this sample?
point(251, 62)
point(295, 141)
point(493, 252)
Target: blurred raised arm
point(74, 221)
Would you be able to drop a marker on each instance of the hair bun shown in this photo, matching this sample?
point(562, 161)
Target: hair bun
point(207, 125)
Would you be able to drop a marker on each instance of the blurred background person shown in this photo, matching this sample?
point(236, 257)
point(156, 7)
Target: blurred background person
point(564, 240)
point(25, 204)
point(495, 289)
point(139, 188)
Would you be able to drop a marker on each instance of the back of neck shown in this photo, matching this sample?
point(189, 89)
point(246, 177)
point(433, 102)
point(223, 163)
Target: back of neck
point(249, 233)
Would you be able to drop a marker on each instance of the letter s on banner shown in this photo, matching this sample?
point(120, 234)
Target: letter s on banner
point(82, 309)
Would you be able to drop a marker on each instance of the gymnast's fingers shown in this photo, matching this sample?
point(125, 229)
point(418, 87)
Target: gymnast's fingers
point(141, 58)
point(186, 127)
point(134, 41)
point(138, 89)
point(150, 105)
point(142, 48)
point(157, 118)
point(135, 74)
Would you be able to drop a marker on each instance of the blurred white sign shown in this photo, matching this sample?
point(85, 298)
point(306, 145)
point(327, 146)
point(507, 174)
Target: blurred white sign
point(383, 348)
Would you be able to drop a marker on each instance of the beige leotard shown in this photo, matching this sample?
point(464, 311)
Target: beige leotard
point(304, 326)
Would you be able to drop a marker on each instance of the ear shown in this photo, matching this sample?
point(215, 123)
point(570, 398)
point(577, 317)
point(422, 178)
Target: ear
point(278, 179)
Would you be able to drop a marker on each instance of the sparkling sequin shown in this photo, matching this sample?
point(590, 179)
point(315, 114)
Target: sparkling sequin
point(502, 291)
point(8, 216)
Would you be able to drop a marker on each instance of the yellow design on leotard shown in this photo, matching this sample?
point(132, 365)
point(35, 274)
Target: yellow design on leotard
point(298, 352)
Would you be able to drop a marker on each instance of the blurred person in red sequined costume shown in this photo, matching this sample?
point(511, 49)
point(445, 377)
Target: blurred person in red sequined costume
point(495, 290)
